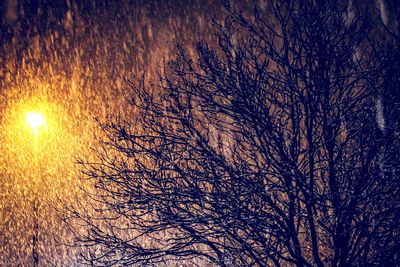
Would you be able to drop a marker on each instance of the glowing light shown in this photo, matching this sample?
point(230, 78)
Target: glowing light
point(35, 120)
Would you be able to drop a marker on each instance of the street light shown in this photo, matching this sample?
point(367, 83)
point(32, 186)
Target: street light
point(35, 121)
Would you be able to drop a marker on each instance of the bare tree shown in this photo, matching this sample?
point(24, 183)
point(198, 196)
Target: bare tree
point(262, 152)
point(386, 53)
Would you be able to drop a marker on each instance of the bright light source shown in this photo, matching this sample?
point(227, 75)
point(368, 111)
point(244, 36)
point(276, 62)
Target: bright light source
point(35, 120)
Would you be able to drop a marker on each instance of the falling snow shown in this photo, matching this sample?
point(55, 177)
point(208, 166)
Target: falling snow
point(379, 115)
point(68, 62)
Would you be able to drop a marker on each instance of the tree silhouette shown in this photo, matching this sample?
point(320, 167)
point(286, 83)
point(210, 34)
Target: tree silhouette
point(264, 151)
